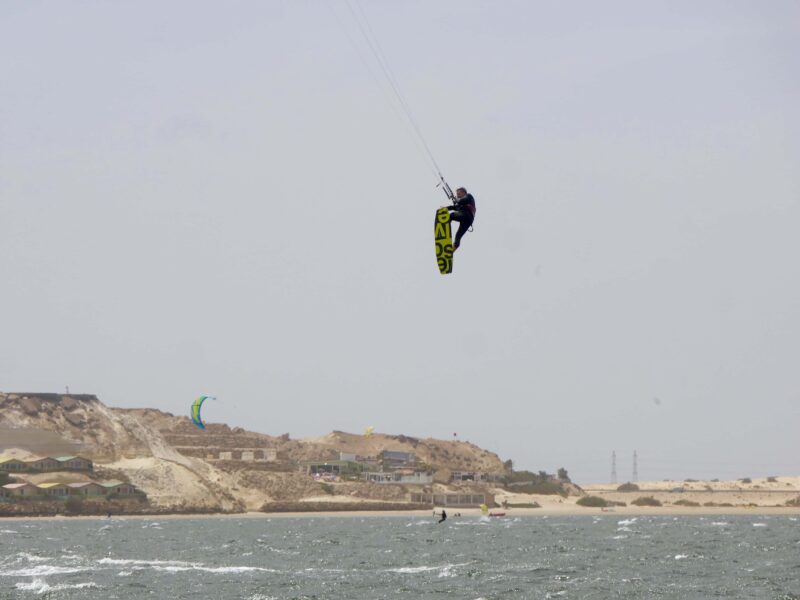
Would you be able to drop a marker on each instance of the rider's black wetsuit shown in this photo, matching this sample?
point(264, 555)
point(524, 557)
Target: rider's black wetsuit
point(463, 211)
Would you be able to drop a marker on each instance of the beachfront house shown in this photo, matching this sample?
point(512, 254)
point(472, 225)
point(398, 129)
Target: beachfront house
point(120, 488)
point(22, 490)
point(44, 465)
point(396, 459)
point(12, 465)
point(405, 476)
point(58, 490)
point(454, 500)
point(474, 476)
point(331, 468)
point(86, 488)
point(75, 463)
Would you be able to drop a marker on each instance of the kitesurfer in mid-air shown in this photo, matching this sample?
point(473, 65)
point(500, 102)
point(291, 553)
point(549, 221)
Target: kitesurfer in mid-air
point(463, 211)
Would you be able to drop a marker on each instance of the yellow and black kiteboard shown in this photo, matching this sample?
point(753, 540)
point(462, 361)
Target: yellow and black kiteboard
point(444, 241)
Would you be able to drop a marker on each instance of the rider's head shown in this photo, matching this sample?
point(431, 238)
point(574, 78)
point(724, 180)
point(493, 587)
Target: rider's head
point(461, 193)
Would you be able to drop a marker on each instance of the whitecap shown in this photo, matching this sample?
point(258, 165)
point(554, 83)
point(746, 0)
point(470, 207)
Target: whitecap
point(178, 566)
point(42, 571)
point(412, 569)
point(233, 569)
point(40, 586)
point(759, 524)
point(719, 523)
point(124, 573)
point(681, 556)
point(136, 561)
point(32, 557)
point(70, 557)
point(442, 569)
point(627, 521)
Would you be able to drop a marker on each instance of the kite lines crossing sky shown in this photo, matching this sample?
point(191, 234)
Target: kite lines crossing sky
point(400, 104)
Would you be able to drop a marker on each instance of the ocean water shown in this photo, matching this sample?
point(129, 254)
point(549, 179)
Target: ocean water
point(587, 557)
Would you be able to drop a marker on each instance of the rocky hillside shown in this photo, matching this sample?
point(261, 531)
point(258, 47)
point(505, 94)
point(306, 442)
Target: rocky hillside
point(221, 468)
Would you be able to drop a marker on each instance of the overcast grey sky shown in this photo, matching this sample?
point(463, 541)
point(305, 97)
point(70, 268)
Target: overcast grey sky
point(218, 198)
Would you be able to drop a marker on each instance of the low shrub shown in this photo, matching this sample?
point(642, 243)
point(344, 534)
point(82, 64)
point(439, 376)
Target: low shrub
point(592, 501)
point(628, 487)
point(646, 501)
point(686, 503)
point(793, 502)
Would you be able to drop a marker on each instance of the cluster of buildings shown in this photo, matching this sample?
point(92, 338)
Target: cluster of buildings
point(27, 490)
point(46, 464)
point(57, 490)
point(388, 467)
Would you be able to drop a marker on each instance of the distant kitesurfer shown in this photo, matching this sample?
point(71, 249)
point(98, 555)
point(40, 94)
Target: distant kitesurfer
point(463, 211)
point(444, 516)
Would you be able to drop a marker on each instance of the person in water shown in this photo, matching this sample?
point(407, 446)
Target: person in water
point(463, 211)
point(444, 516)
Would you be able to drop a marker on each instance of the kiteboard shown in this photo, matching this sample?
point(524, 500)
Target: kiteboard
point(444, 241)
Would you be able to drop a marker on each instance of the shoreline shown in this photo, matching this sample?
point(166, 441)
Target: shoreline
point(468, 513)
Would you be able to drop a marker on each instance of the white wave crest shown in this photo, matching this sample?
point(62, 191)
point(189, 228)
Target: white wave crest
point(178, 566)
point(136, 561)
point(42, 571)
point(40, 586)
point(444, 570)
point(32, 557)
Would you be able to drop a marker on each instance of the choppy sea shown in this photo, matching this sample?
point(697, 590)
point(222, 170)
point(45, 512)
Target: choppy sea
point(403, 557)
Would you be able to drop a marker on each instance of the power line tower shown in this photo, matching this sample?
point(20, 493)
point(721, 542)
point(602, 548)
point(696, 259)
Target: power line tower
point(613, 466)
point(635, 468)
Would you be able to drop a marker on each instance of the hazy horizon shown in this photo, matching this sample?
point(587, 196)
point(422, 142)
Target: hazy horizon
point(197, 199)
